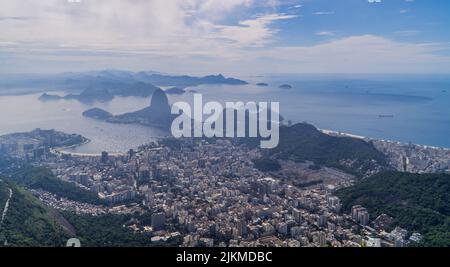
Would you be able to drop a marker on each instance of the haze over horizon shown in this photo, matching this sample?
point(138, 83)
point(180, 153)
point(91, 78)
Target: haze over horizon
point(238, 37)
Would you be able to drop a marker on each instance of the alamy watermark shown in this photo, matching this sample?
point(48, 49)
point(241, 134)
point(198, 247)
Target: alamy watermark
point(236, 119)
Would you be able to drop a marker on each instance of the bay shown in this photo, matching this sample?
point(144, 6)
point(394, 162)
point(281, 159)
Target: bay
point(406, 108)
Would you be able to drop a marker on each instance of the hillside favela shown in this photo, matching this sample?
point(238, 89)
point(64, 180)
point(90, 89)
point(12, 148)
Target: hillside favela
point(231, 124)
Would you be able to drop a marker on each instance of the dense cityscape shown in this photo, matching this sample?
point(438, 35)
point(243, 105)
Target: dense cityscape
point(209, 193)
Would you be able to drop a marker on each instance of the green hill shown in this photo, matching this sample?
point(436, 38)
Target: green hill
point(417, 202)
point(303, 142)
point(28, 222)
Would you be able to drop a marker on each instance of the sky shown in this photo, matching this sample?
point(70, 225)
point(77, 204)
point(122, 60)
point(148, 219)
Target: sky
point(234, 37)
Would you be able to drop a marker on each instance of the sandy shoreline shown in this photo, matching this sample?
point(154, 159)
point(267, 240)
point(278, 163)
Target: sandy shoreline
point(342, 134)
point(62, 150)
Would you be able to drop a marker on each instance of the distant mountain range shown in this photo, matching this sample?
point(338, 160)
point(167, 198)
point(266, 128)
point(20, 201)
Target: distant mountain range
point(175, 91)
point(100, 94)
point(115, 81)
point(103, 86)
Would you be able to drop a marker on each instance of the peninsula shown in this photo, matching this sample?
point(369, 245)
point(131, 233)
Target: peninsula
point(157, 114)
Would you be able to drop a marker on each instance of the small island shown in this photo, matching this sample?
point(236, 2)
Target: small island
point(286, 86)
point(175, 91)
point(87, 96)
point(97, 113)
point(262, 84)
point(48, 97)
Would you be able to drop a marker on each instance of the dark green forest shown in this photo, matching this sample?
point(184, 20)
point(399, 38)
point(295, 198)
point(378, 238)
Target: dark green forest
point(417, 202)
point(267, 164)
point(303, 142)
point(29, 223)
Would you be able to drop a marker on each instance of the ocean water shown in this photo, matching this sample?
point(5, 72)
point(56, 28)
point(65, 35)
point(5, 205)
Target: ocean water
point(25, 112)
point(413, 109)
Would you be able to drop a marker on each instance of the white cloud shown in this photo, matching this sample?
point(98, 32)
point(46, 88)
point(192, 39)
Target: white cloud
point(325, 33)
point(186, 36)
point(252, 32)
point(361, 54)
point(321, 13)
point(157, 26)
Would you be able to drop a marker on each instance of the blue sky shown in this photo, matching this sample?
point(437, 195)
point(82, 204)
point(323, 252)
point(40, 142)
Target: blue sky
point(413, 21)
point(228, 36)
